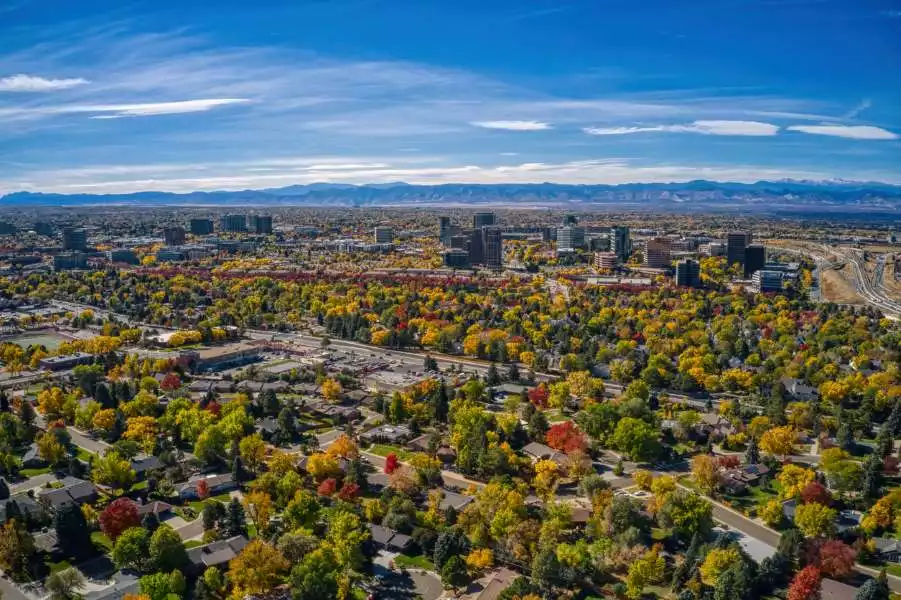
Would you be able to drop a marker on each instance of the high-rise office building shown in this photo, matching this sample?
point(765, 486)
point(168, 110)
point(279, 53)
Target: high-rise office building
point(383, 235)
point(483, 219)
point(174, 236)
point(70, 260)
point(233, 223)
point(755, 259)
point(201, 226)
point(688, 273)
point(261, 224)
point(456, 258)
point(74, 239)
point(493, 246)
point(767, 281)
point(570, 238)
point(476, 247)
point(736, 242)
point(444, 235)
point(622, 244)
point(657, 254)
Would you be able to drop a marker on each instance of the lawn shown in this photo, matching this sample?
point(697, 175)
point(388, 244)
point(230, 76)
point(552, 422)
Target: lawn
point(101, 541)
point(193, 544)
point(386, 449)
point(56, 567)
point(754, 498)
point(197, 505)
point(414, 562)
point(84, 455)
point(34, 472)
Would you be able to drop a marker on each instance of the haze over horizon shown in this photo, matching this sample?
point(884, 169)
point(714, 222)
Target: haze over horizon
point(100, 98)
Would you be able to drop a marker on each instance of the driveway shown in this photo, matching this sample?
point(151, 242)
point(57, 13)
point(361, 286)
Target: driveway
point(32, 482)
point(415, 583)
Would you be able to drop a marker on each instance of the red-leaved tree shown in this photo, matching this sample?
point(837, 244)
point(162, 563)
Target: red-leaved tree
point(391, 463)
point(728, 461)
point(203, 489)
point(566, 437)
point(806, 584)
point(539, 395)
point(120, 515)
point(834, 558)
point(816, 492)
point(349, 491)
point(327, 487)
point(171, 382)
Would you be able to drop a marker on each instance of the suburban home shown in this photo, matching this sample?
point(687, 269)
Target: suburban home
point(32, 458)
point(738, 480)
point(268, 428)
point(341, 414)
point(157, 507)
point(26, 505)
point(142, 465)
point(500, 393)
point(72, 491)
point(455, 500)
point(391, 434)
point(788, 509)
point(490, 585)
point(216, 554)
point(888, 549)
point(377, 481)
point(715, 426)
point(537, 452)
point(305, 460)
point(388, 539)
point(217, 484)
point(831, 589)
point(800, 391)
point(421, 443)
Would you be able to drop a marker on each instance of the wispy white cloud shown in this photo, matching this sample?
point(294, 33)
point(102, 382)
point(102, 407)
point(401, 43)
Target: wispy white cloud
point(115, 111)
point(748, 128)
point(855, 112)
point(33, 83)
point(513, 125)
point(854, 132)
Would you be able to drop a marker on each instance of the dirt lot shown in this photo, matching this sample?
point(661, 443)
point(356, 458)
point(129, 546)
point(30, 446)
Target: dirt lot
point(836, 287)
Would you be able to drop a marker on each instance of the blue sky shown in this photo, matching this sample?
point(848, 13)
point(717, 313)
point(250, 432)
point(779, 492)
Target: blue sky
point(108, 97)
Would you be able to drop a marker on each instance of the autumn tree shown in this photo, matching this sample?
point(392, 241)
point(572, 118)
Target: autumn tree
point(815, 520)
point(16, 549)
point(779, 441)
point(704, 470)
point(717, 561)
point(391, 463)
point(257, 569)
point(566, 437)
point(343, 447)
point(646, 570)
point(252, 450)
point(331, 390)
point(834, 558)
point(121, 514)
point(805, 585)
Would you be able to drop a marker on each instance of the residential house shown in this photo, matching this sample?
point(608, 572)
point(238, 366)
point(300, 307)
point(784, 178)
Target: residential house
point(490, 586)
point(26, 504)
point(831, 589)
point(143, 464)
point(157, 507)
point(500, 393)
point(32, 458)
point(216, 484)
point(215, 554)
point(738, 480)
point(391, 434)
point(799, 390)
point(715, 426)
point(455, 500)
point(888, 549)
point(537, 451)
point(388, 539)
point(69, 490)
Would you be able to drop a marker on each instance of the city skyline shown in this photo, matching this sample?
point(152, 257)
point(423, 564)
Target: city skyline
point(104, 99)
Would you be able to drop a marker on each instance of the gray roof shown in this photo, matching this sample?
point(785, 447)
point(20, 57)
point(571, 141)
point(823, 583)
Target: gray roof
point(218, 552)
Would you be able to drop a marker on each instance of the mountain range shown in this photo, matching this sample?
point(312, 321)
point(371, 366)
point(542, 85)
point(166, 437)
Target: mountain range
point(762, 196)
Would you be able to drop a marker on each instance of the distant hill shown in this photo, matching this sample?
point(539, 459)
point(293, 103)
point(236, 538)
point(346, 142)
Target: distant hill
point(762, 196)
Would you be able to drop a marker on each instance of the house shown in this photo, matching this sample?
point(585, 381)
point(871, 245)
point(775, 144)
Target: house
point(72, 491)
point(738, 480)
point(500, 393)
point(888, 549)
point(831, 589)
point(32, 458)
point(421, 443)
point(268, 428)
point(537, 452)
point(800, 391)
point(68, 361)
point(26, 505)
point(715, 426)
point(455, 500)
point(343, 464)
point(216, 554)
point(490, 586)
point(143, 464)
point(157, 507)
point(788, 509)
point(391, 434)
point(848, 519)
point(388, 539)
point(216, 484)
point(377, 481)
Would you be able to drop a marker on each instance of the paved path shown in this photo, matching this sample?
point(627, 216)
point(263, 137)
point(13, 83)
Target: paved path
point(449, 477)
point(32, 482)
point(10, 591)
point(86, 442)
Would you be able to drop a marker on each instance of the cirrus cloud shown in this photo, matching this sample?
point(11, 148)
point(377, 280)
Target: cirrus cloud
point(748, 128)
point(854, 132)
point(513, 125)
point(33, 83)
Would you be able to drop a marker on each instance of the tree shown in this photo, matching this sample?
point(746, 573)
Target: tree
point(163, 586)
point(771, 512)
point(132, 549)
point(779, 441)
point(252, 449)
point(805, 585)
point(50, 449)
point(636, 438)
point(16, 549)
point(479, 560)
point(121, 514)
point(113, 470)
point(547, 473)
point(65, 584)
point(874, 589)
point(791, 546)
point(815, 520)
point(717, 561)
point(872, 476)
point(566, 437)
point(793, 479)
point(167, 552)
point(72, 531)
point(752, 454)
point(647, 569)
point(343, 447)
point(546, 568)
point(258, 505)
point(686, 513)
point(816, 492)
point(316, 576)
point(322, 466)
point(454, 574)
point(705, 472)
point(235, 520)
point(257, 569)
point(834, 558)
point(451, 542)
point(331, 390)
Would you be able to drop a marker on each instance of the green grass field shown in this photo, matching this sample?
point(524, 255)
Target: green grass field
point(414, 562)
